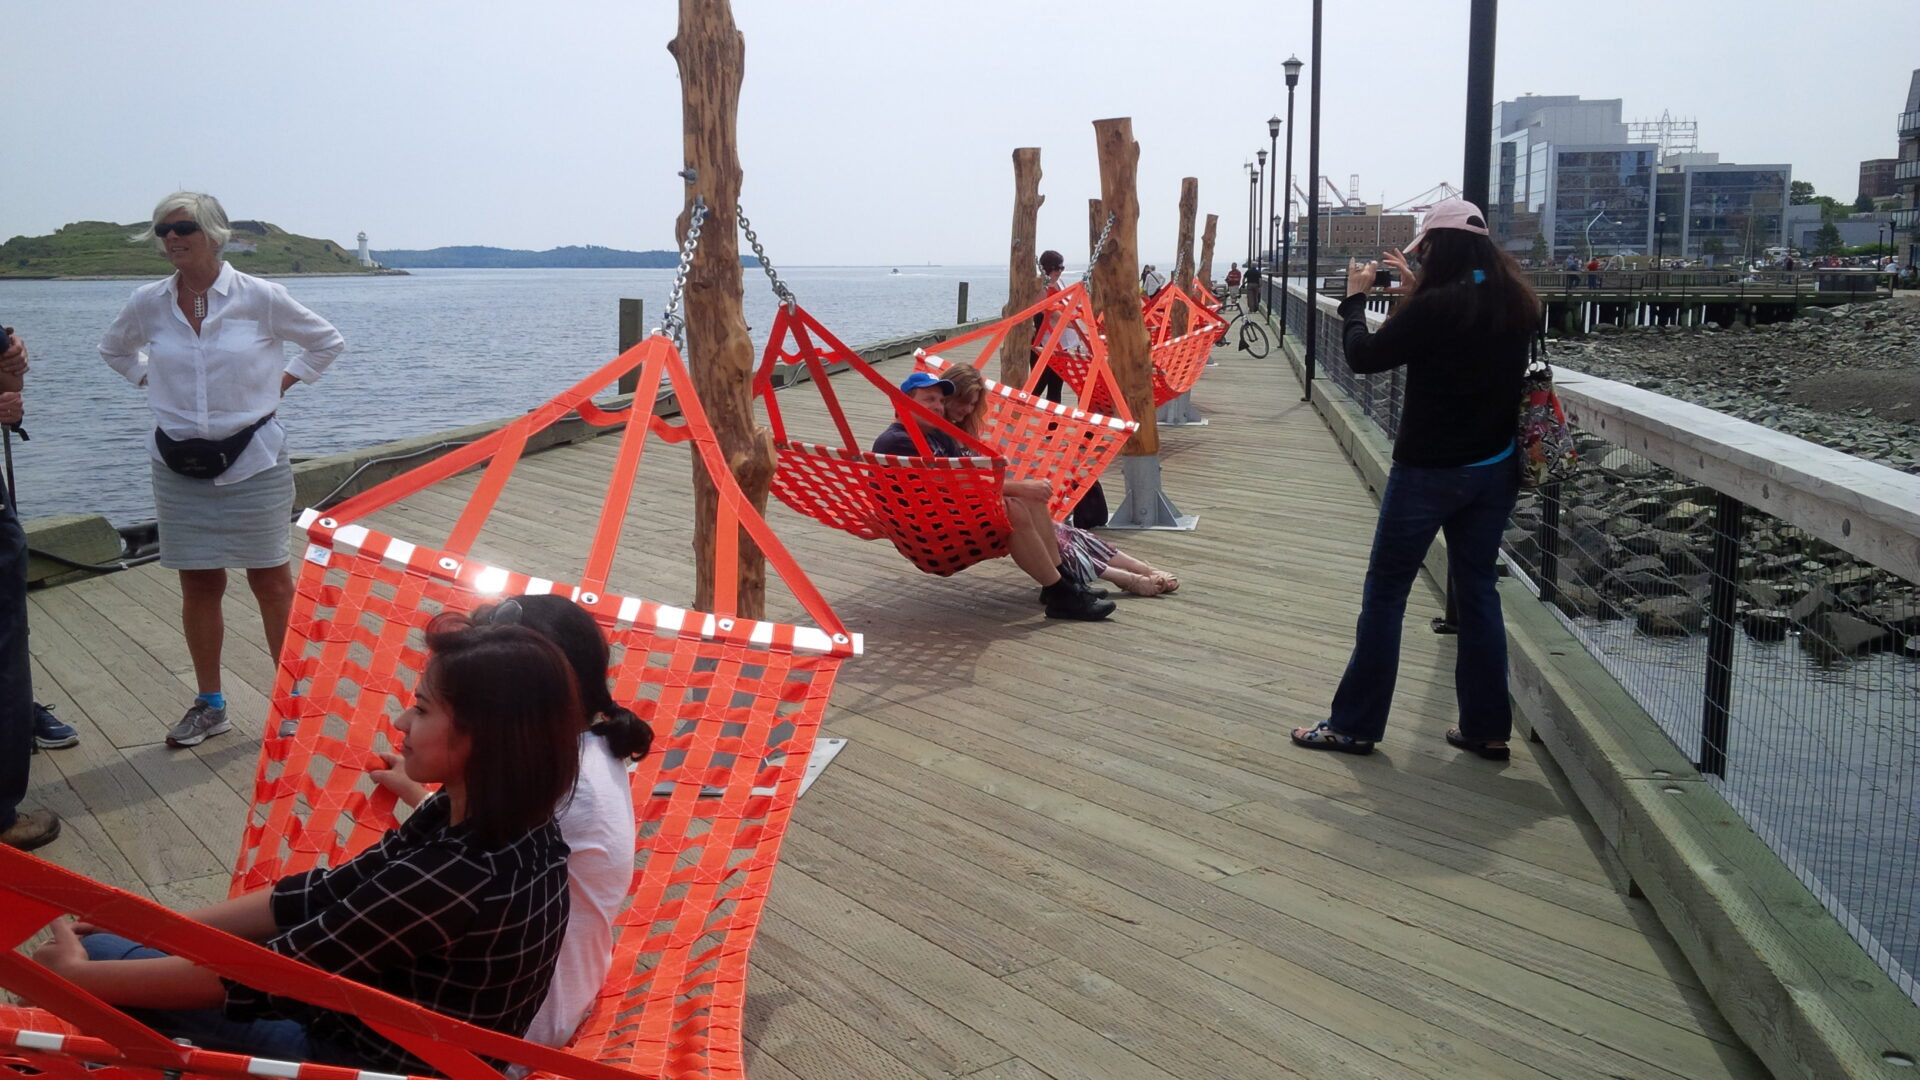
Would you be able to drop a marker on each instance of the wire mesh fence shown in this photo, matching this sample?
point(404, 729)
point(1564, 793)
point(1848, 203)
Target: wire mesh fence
point(1788, 670)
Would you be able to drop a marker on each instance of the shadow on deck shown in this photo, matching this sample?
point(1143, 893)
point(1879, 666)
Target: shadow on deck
point(1049, 849)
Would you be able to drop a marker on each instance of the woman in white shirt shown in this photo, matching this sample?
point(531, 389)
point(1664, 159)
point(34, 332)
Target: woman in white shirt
point(596, 819)
point(208, 344)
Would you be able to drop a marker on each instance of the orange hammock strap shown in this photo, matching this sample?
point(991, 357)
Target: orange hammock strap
point(797, 337)
point(1069, 308)
point(35, 892)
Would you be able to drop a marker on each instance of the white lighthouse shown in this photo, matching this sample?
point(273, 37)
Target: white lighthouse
point(365, 258)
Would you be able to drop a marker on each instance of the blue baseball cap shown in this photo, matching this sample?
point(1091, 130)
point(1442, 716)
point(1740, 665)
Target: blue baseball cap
point(925, 378)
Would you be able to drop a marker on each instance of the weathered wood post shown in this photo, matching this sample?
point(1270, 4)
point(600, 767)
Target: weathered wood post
point(633, 315)
point(1023, 277)
point(1096, 220)
point(960, 314)
point(1116, 274)
point(1206, 252)
point(1180, 411)
point(711, 53)
point(1183, 248)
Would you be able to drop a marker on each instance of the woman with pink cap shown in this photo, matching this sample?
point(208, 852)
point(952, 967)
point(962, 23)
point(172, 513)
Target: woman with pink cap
point(1462, 334)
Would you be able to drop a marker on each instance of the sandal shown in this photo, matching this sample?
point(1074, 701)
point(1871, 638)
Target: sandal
point(1168, 583)
point(1139, 584)
point(1322, 737)
point(1485, 748)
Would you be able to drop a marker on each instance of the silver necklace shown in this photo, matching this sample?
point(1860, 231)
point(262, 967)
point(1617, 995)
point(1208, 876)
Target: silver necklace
point(199, 298)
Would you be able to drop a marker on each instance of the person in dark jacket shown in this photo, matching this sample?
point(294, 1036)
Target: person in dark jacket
point(1462, 334)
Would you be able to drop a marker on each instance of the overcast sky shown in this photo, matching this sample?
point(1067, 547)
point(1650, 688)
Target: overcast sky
point(871, 131)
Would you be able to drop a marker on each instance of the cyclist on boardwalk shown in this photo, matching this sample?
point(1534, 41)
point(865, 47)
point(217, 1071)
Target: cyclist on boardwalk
point(1462, 334)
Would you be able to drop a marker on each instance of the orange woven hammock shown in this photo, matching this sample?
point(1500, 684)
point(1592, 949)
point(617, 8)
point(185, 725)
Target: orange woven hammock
point(943, 513)
point(1177, 362)
point(734, 705)
point(1041, 440)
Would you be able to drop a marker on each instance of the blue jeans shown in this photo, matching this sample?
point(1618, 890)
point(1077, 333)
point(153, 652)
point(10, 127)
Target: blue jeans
point(1471, 504)
point(209, 1029)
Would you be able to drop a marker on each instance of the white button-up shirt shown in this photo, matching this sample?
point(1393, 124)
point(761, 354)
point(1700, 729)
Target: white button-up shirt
point(211, 384)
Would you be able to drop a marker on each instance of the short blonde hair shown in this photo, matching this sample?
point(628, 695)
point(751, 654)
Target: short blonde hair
point(203, 210)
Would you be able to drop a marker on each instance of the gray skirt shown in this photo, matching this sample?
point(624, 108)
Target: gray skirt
point(205, 526)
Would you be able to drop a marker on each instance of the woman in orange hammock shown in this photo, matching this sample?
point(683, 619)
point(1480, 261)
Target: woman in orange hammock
point(1087, 555)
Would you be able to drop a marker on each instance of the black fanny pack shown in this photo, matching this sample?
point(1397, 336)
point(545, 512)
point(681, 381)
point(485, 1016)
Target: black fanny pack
point(204, 459)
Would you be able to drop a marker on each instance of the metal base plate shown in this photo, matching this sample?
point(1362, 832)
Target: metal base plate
point(1145, 506)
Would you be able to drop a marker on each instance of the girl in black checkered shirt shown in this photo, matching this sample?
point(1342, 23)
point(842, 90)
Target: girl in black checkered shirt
point(460, 909)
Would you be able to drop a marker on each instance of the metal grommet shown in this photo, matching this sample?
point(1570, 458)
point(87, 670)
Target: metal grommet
point(589, 599)
point(447, 563)
point(327, 523)
point(726, 624)
point(840, 639)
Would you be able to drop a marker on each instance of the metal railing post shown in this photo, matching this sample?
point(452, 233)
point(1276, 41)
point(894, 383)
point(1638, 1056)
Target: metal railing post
point(1724, 573)
point(1547, 538)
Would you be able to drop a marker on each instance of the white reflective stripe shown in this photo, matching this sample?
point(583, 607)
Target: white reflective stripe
point(270, 1067)
point(762, 634)
point(399, 551)
point(491, 579)
point(539, 586)
point(351, 535)
point(629, 609)
point(709, 627)
point(308, 517)
point(669, 619)
point(39, 1040)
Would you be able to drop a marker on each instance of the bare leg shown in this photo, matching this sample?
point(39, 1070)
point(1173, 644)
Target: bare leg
point(1123, 568)
point(1035, 550)
point(200, 618)
point(273, 591)
point(1128, 563)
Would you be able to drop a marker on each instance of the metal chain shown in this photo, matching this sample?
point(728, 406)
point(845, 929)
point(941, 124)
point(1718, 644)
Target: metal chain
point(1099, 248)
point(671, 324)
point(779, 287)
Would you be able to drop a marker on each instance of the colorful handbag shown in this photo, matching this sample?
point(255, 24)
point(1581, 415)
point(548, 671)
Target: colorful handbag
point(1547, 452)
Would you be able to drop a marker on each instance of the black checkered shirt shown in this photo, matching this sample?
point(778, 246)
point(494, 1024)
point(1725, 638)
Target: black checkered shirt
point(427, 915)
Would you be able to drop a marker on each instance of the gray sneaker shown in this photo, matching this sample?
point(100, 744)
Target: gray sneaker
point(200, 722)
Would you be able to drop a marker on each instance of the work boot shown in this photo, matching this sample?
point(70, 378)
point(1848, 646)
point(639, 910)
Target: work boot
point(31, 829)
point(1067, 599)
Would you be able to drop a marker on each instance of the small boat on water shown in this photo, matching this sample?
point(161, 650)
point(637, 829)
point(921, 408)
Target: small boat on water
point(896, 270)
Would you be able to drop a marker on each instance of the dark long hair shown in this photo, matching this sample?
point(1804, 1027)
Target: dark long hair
point(579, 637)
point(511, 693)
point(1500, 302)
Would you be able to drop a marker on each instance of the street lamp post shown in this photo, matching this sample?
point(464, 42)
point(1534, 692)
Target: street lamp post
point(1292, 66)
point(1273, 140)
point(1312, 207)
point(1260, 156)
point(1253, 194)
point(1660, 241)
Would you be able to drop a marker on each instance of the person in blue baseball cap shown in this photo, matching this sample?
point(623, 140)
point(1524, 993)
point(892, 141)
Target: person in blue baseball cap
point(932, 392)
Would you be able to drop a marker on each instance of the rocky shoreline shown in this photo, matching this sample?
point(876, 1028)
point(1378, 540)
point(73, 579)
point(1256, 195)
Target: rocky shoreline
point(1635, 539)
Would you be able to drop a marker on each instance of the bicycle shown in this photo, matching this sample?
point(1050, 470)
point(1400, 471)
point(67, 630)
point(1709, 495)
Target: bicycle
point(1251, 336)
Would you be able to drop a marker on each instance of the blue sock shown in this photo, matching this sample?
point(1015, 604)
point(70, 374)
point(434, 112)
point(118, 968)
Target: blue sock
point(218, 701)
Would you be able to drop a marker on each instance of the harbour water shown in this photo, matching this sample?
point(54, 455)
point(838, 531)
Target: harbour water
point(428, 351)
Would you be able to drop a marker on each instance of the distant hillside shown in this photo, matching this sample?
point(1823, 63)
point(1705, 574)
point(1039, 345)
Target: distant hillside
point(103, 249)
point(571, 257)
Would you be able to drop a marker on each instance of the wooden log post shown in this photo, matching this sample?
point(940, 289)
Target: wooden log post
point(1023, 280)
point(711, 53)
point(1206, 252)
point(1183, 249)
point(1116, 277)
point(1096, 217)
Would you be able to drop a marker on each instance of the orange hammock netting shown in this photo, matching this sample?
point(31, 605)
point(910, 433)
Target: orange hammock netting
point(1177, 361)
point(734, 704)
point(943, 514)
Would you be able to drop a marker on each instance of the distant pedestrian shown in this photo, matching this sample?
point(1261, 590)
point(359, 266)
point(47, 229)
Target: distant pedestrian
point(206, 343)
point(1573, 270)
point(1233, 275)
point(1593, 272)
point(1461, 334)
point(1252, 279)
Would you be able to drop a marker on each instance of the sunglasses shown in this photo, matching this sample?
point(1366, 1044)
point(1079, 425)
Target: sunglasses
point(175, 228)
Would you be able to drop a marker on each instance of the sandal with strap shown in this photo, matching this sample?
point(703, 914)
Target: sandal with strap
point(1138, 584)
point(1322, 737)
point(1168, 583)
point(1483, 747)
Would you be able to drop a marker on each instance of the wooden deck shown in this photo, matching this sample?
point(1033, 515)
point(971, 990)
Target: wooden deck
point(1050, 849)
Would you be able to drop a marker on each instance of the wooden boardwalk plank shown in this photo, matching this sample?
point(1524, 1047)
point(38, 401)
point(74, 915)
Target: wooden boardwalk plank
point(1051, 851)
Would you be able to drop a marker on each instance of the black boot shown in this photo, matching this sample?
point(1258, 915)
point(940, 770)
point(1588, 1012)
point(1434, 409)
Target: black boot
point(1066, 599)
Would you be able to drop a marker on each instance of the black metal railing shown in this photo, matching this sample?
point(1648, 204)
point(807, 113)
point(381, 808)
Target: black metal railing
point(1780, 652)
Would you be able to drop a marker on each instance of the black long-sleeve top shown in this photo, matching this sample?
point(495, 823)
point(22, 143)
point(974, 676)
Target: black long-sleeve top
point(1463, 387)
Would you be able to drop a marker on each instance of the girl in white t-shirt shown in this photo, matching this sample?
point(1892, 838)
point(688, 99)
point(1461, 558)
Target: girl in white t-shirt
point(596, 820)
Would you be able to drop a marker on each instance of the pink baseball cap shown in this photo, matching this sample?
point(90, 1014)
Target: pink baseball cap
point(1451, 214)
